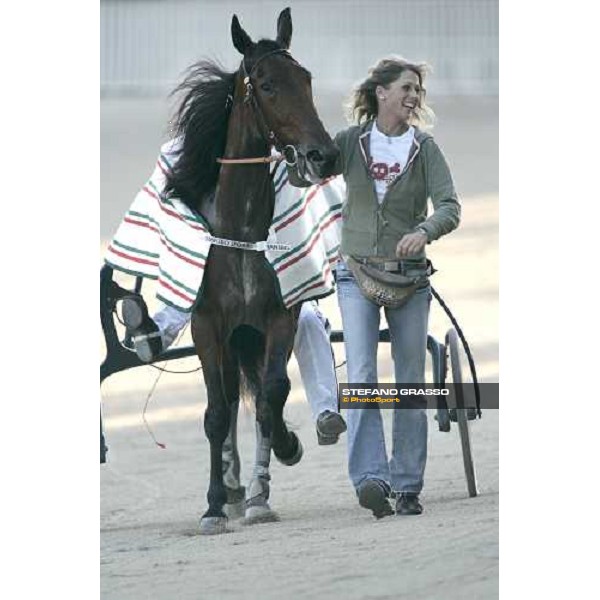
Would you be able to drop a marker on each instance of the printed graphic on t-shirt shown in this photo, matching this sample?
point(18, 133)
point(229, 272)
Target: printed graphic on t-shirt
point(389, 156)
point(381, 171)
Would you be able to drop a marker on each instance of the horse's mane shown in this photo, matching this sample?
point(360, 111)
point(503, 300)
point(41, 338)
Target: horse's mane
point(201, 122)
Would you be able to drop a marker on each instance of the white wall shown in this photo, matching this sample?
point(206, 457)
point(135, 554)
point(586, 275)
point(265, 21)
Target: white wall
point(147, 44)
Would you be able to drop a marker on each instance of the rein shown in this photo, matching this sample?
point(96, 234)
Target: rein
point(248, 161)
point(289, 154)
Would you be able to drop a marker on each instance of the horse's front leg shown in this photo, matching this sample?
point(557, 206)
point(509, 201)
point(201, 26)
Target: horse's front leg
point(236, 492)
point(258, 509)
point(276, 387)
point(216, 426)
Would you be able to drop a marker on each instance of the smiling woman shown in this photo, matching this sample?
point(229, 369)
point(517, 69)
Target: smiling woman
point(391, 168)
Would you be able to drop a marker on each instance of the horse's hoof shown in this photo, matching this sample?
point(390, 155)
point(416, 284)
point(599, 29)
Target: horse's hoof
point(295, 458)
point(213, 525)
point(235, 510)
point(261, 513)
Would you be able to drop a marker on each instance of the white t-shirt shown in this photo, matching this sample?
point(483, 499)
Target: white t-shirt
point(389, 156)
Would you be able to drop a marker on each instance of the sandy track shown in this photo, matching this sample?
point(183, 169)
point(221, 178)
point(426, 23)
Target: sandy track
point(325, 544)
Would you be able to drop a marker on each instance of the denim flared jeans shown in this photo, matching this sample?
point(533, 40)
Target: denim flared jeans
point(367, 455)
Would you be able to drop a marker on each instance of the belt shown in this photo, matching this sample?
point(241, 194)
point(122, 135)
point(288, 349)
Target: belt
point(392, 266)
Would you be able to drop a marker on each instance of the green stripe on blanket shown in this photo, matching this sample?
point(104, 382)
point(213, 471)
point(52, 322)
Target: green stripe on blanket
point(306, 241)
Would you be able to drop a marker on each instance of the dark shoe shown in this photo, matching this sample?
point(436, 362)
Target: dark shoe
point(408, 504)
point(373, 494)
point(329, 427)
point(147, 341)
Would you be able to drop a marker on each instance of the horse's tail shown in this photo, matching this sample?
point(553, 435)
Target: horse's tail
point(249, 347)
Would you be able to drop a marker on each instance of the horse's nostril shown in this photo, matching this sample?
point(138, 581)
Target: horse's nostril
point(315, 156)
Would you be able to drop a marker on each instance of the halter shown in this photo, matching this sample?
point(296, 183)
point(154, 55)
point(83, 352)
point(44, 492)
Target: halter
point(288, 153)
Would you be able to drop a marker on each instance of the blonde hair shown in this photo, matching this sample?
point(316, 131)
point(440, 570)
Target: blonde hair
point(362, 104)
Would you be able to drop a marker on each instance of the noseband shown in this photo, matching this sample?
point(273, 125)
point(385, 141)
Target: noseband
point(288, 153)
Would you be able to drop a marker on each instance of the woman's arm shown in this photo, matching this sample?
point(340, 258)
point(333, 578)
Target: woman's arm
point(440, 188)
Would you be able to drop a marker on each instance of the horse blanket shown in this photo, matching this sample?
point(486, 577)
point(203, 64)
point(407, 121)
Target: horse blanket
point(161, 238)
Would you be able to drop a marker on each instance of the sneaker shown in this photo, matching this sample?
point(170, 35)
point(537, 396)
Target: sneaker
point(329, 427)
point(373, 494)
point(408, 504)
point(146, 336)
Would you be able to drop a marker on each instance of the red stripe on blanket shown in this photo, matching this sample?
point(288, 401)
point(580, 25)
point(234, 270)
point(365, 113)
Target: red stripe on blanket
point(291, 301)
point(141, 224)
point(302, 210)
point(308, 199)
point(181, 256)
point(164, 243)
point(322, 228)
point(150, 192)
point(145, 261)
point(171, 213)
point(174, 291)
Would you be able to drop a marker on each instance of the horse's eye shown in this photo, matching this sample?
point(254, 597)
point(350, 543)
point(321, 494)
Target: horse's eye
point(266, 87)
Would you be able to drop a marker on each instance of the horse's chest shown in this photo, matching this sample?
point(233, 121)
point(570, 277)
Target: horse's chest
point(252, 282)
point(246, 282)
point(258, 280)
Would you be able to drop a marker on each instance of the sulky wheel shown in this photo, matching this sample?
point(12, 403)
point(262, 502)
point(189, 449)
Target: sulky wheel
point(462, 412)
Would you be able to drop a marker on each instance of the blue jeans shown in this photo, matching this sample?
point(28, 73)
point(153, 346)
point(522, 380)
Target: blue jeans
point(367, 455)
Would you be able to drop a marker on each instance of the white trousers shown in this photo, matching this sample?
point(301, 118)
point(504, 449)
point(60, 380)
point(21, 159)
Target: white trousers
point(312, 349)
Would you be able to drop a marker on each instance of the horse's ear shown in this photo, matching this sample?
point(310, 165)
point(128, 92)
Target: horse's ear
point(284, 28)
point(241, 40)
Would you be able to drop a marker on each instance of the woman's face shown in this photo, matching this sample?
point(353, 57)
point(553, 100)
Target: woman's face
point(398, 101)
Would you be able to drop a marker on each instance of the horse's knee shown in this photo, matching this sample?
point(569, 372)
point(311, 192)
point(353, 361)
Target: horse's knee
point(216, 424)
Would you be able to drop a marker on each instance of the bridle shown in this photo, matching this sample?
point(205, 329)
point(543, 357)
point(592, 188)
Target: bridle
point(289, 153)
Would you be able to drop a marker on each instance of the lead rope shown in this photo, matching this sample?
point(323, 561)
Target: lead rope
point(465, 346)
point(149, 396)
point(159, 444)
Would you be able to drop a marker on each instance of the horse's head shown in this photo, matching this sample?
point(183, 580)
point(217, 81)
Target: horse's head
point(280, 91)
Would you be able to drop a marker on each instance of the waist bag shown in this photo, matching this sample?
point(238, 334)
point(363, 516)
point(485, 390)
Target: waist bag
point(389, 283)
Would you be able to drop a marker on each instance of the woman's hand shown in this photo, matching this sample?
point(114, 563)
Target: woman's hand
point(411, 243)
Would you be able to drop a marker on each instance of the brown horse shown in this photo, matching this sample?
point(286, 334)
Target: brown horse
point(240, 326)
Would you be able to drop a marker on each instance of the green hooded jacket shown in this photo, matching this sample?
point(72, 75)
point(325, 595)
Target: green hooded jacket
point(373, 229)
